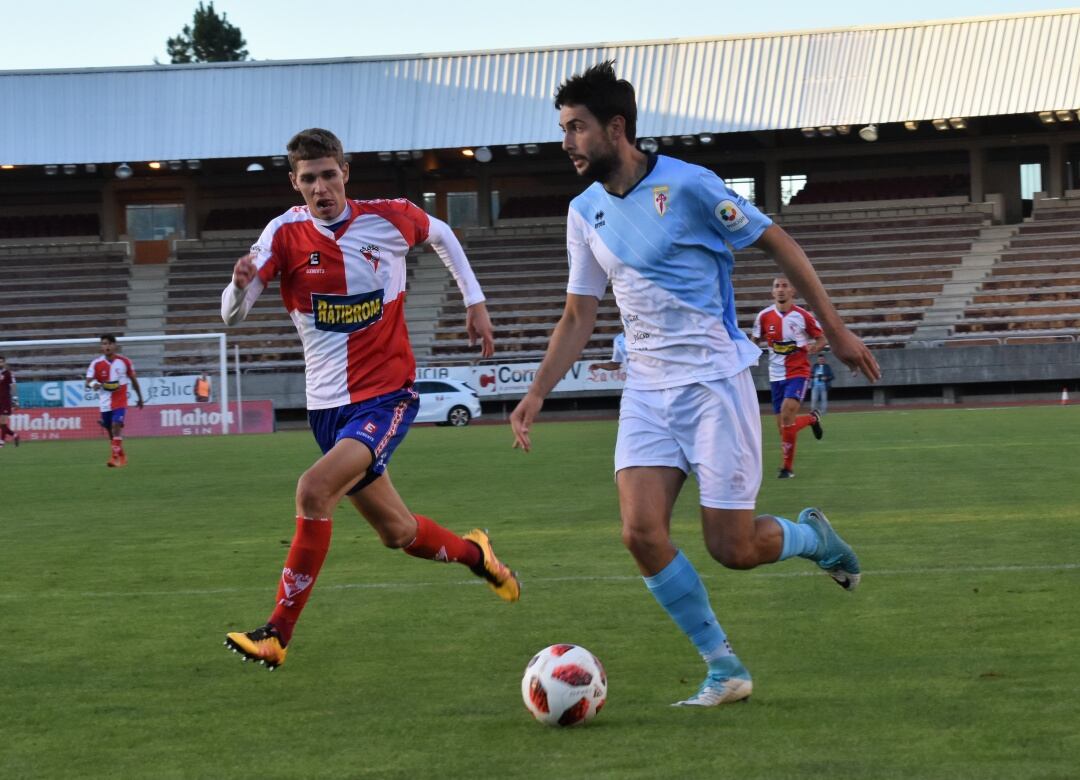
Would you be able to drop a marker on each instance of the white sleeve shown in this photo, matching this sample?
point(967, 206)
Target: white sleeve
point(448, 248)
point(236, 302)
point(587, 277)
point(756, 332)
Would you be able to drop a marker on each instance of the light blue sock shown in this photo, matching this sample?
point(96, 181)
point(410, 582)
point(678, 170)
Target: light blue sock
point(799, 540)
point(681, 593)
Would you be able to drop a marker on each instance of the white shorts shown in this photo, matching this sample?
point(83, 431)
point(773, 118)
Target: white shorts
point(712, 429)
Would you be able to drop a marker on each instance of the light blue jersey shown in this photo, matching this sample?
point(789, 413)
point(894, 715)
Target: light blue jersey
point(664, 247)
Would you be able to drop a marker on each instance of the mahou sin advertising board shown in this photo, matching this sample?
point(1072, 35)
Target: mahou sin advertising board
point(158, 420)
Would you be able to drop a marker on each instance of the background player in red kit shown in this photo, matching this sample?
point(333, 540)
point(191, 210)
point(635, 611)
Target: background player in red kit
point(9, 401)
point(341, 266)
point(110, 374)
point(790, 333)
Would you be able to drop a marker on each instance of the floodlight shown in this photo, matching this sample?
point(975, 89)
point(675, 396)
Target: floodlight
point(869, 133)
point(254, 167)
point(648, 145)
point(483, 155)
point(123, 171)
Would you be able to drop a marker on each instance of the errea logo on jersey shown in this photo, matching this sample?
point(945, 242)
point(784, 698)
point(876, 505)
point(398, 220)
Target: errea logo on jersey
point(346, 313)
point(730, 215)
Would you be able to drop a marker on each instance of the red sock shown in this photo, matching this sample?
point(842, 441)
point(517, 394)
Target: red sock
point(802, 421)
point(306, 556)
point(787, 446)
point(438, 544)
point(117, 446)
point(5, 432)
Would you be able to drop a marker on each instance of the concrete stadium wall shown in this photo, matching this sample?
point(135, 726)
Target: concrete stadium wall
point(945, 372)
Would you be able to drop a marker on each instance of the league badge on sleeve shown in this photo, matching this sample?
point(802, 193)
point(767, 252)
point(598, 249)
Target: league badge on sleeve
point(660, 198)
point(730, 215)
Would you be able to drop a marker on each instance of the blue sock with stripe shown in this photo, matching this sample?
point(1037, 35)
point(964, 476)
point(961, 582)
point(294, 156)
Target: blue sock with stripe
point(679, 590)
point(799, 540)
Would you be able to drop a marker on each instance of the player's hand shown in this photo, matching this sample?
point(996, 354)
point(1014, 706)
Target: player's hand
point(851, 351)
point(140, 403)
point(244, 271)
point(478, 326)
point(521, 419)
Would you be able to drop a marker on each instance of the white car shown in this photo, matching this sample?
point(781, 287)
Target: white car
point(446, 402)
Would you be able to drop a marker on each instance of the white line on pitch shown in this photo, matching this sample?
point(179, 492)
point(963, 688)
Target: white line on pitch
point(532, 580)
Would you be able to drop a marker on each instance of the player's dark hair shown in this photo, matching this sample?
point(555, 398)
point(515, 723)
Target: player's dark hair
point(108, 337)
point(314, 144)
point(603, 93)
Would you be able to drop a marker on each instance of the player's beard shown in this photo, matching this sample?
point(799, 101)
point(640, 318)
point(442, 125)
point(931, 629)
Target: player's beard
point(603, 166)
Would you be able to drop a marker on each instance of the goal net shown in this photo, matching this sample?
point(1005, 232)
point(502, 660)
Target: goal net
point(184, 381)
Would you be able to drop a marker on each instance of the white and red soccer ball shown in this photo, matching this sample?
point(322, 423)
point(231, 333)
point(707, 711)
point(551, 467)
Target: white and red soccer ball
point(564, 685)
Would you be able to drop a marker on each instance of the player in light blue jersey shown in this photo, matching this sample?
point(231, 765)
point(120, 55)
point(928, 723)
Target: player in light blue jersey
point(660, 231)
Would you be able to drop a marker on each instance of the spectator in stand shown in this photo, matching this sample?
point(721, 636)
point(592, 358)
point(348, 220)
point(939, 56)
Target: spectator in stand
point(820, 379)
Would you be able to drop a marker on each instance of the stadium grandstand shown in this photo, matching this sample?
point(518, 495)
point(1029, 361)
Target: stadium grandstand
point(930, 170)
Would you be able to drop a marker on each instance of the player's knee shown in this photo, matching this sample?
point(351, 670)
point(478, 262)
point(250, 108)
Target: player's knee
point(732, 555)
point(640, 541)
point(312, 495)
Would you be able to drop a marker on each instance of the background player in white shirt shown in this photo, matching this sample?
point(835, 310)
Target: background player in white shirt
point(341, 267)
point(658, 230)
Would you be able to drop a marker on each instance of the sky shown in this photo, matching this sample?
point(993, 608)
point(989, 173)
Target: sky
point(108, 33)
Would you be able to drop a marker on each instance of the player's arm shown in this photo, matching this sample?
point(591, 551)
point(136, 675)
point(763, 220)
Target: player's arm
point(138, 390)
point(816, 345)
point(242, 291)
point(567, 341)
point(611, 365)
point(792, 260)
point(477, 321)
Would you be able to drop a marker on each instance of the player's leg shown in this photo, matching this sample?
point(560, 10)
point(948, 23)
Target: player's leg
point(6, 431)
point(791, 422)
point(421, 537)
point(119, 457)
point(725, 455)
point(650, 471)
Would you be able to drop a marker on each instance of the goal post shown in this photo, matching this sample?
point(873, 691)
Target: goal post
point(75, 366)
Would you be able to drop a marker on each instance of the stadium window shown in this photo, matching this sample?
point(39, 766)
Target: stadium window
point(790, 186)
point(494, 204)
point(744, 187)
point(462, 209)
point(1030, 180)
point(431, 204)
point(146, 222)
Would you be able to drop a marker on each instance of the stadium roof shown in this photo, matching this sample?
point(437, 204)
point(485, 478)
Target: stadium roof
point(968, 67)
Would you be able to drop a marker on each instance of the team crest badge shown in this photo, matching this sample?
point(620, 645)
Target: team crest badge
point(371, 254)
point(660, 198)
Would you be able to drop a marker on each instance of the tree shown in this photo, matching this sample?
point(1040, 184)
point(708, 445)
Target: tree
point(209, 38)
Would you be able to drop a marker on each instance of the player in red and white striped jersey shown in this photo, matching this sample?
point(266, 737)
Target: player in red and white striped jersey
point(790, 333)
point(341, 268)
point(110, 374)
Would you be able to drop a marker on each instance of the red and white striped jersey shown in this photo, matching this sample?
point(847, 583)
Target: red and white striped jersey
point(787, 336)
point(114, 377)
point(345, 292)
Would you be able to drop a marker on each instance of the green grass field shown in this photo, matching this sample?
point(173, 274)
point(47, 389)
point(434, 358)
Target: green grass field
point(956, 658)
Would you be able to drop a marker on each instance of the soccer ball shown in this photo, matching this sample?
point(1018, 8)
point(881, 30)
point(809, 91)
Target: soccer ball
point(564, 685)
